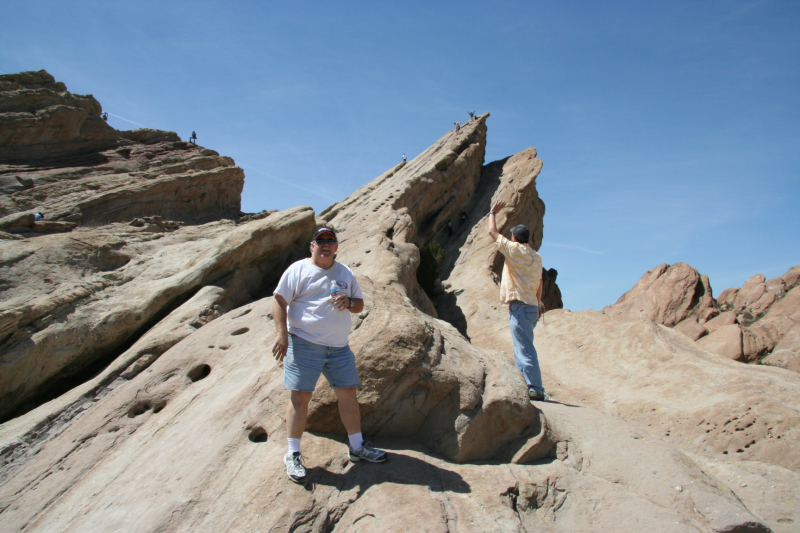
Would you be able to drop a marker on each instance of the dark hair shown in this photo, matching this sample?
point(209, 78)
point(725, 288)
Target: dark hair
point(521, 233)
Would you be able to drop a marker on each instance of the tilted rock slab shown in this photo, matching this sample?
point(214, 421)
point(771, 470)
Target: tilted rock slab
point(75, 299)
point(473, 265)
point(381, 228)
point(58, 157)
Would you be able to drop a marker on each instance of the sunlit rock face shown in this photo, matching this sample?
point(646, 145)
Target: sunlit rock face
point(179, 424)
point(759, 321)
point(60, 158)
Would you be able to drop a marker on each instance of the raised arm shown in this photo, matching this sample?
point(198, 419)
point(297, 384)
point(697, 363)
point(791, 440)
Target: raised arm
point(492, 222)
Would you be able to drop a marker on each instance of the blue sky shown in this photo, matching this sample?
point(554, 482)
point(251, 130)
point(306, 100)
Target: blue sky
point(669, 131)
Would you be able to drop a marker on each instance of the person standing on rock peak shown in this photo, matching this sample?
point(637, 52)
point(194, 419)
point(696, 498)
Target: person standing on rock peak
point(521, 289)
point(317, 296)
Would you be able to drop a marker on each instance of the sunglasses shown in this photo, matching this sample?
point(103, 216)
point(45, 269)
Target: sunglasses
point(325, 241)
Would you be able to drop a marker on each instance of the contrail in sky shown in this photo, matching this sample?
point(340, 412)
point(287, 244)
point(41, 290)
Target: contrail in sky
point(559, 245)
point(290, 184)
point(126, 120)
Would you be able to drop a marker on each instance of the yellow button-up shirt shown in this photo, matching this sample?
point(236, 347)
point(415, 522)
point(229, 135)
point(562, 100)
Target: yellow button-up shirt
point(522, 272)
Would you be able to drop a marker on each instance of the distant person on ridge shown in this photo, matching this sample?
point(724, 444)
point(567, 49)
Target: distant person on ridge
point(458, 126)
point(449, 229)
point(471, 115)
point(317, 295)
point(462, 218)
point(521, 289)
point(105, 116)
point(404, 158)
point(193, 138)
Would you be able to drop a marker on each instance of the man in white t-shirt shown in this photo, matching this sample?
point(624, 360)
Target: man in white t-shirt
point(317, 296)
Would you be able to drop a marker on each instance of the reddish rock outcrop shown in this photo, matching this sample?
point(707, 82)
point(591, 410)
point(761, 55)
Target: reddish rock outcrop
point(668, 295)
point(744, 324)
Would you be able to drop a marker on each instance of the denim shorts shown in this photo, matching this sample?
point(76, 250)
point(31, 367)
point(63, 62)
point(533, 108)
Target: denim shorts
point(305, 361)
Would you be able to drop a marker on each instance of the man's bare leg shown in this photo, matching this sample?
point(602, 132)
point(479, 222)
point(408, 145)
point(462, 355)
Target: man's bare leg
point(349, 411)
point(350, 414)
point(296, 416)
point(297, 413)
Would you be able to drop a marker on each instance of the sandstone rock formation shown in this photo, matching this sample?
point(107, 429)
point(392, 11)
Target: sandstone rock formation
point(738, 419)
point(472, 267)
point(182, 428)
point(72, 300)
point(744, 324)
point(185, 446)
point(58, 157)
point(42, 120)
point(668, 295)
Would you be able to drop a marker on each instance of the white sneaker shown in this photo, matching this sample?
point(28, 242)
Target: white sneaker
point(294, 467)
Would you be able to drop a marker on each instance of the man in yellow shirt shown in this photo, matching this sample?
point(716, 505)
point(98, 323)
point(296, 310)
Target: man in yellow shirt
point(521, 290)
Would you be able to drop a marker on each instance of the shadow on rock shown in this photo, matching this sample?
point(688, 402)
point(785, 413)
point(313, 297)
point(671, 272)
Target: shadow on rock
point(399, 469)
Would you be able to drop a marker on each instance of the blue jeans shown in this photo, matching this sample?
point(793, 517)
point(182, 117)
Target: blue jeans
point(522, 318)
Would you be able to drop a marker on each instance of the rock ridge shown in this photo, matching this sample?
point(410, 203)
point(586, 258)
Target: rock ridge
point(758, 322)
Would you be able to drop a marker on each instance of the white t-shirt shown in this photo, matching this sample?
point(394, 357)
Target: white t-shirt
point(307, 290)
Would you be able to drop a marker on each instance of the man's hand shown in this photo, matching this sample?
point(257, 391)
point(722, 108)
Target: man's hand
point(498, 206)
point(280, 347)
point(340, 301)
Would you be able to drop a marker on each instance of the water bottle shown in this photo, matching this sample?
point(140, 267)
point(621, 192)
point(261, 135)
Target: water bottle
point(334, 288)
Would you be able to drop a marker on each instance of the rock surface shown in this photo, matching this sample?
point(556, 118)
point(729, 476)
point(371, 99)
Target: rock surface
point(668, 295)
point(745, 324)
point(183, 428)
point(41, 120)
point(472, 264)
point(729, 417)
point(58, 157)
point(199, 448)
point(75, 299)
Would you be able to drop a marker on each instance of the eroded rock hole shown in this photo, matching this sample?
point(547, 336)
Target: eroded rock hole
point(158, 406)
point(139, 408)
point(258, 435)
point(240, 331)
point(199, 372)
point(246, 311)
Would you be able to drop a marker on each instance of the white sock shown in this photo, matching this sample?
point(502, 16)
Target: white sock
point(356, 440)
point(294, 445)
